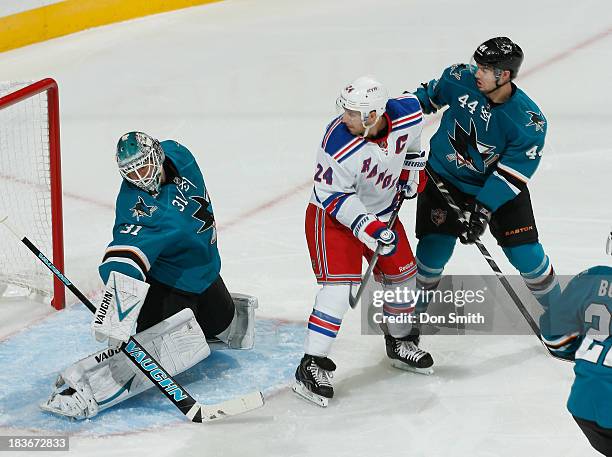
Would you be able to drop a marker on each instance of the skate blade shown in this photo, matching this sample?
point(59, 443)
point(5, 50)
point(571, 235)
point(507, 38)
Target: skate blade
point(404, 366)
point(303, 392)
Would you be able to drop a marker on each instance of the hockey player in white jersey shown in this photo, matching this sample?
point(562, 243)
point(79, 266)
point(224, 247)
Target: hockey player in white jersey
point(367, 154)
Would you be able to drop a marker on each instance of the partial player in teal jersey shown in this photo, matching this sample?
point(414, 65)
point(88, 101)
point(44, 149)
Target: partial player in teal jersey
point(162, 276)
point(487, 147)
point(165, 233)
point(578, 327)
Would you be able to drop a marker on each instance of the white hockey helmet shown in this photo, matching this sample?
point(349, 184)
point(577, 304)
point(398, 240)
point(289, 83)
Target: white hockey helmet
point(364, 95)
point(140, 159)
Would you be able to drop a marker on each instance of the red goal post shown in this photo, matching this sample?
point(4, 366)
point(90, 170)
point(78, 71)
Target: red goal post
point(31, 184)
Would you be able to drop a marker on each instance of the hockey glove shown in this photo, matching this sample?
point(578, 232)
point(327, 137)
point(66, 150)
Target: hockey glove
point(411, 183)
point(408, 184)
point(477, 221)
point(115, 318)
point(372, 232)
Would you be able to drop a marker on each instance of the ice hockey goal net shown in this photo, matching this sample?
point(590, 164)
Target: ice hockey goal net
point(31, 189)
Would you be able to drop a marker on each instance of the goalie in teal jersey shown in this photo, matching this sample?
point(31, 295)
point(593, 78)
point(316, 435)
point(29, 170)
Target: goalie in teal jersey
point(162, 275)
point(577, 327)
point(487, 148)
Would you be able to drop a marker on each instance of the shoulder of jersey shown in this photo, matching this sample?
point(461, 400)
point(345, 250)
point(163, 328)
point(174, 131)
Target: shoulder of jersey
point(599, 270)
point(179, 154)
point(404, 111)
point(137, 206)
point(339, 143)
point(459, 73)
point(525, 113)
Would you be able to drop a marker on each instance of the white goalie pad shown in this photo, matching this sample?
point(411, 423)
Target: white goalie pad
point(241, 332)
point(116, 316)
point(107, 377)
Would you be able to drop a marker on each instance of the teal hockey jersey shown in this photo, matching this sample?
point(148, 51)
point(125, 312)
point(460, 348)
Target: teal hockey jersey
point(484, 149)
point(170, 237)
point(578, 328)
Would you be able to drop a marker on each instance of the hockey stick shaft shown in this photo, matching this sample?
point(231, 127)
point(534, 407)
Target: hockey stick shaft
point(353, 300)
point(483, 250)
point(138, 355)
point(485, 253)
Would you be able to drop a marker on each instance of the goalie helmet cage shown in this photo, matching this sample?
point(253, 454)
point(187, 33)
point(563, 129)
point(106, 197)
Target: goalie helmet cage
point(31, 185)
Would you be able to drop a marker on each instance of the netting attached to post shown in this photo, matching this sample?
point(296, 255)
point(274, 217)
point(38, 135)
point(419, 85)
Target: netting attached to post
point(30, 187)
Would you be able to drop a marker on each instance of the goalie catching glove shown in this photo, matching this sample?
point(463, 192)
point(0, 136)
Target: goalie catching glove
point(116, 316)
point(372, 232)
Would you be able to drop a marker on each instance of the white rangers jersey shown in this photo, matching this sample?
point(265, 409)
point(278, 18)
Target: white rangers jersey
point(355, 176)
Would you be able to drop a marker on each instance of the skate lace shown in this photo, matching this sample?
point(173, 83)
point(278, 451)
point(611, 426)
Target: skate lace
point(322, 377)
point(409, 350)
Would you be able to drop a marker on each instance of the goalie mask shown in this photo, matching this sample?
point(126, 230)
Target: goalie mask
point(140, 159)
point(364, 95)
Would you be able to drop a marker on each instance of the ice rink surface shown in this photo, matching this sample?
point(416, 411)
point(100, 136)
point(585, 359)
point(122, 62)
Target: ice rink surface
point(249, 86)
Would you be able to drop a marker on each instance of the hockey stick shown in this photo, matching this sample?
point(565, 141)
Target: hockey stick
point(353, 300)
point(485, 253)
point(135, 353)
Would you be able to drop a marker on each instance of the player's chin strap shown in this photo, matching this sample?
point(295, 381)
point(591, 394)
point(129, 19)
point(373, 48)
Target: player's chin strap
point(368, 127)
point(498, 74)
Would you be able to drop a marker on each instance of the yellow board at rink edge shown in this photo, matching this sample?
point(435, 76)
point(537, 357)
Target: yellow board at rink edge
point(71, 16)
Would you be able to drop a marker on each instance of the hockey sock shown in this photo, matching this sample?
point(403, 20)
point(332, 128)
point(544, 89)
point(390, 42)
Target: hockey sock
point(432, 254)
point(537, 271)
point(399, 311)
point(331, 303)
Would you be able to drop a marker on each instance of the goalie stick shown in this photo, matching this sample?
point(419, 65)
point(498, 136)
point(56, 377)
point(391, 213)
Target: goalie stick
point(135, 353)
point(353, 300)
point(485, 253)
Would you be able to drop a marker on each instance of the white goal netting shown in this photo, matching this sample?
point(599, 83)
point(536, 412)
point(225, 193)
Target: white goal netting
point(25, 194)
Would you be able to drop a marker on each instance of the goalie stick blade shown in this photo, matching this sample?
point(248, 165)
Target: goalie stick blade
point(233, 407)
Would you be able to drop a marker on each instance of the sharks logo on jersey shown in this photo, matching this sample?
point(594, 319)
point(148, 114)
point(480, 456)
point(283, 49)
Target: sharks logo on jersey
point(457, 69)
point(537, 120)
point(205, 215)
point(470, 152)
point(141, 209)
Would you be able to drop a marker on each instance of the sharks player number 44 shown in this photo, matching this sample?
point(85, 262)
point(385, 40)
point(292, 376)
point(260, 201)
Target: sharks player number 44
point(162, 276)
point(487, 148)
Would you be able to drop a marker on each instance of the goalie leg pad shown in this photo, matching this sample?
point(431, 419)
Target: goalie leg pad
point(107, 377)
point(241, 332)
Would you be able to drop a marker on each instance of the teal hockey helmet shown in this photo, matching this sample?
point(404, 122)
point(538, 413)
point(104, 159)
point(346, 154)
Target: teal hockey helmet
point(140, 159)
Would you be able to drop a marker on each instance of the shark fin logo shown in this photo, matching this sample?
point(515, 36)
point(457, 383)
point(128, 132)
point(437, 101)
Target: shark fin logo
point(141, 209)
point(537, 120)
point(470, 152)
